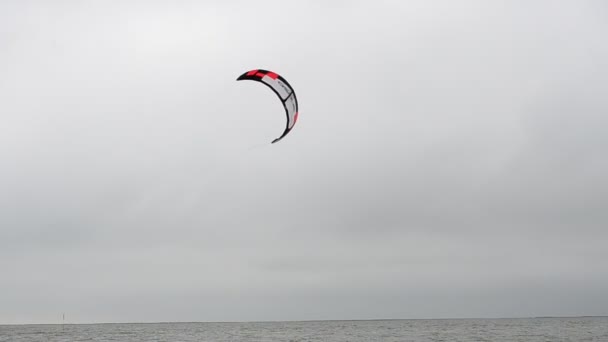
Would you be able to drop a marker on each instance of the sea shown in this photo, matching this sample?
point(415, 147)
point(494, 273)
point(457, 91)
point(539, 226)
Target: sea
point(421, 330)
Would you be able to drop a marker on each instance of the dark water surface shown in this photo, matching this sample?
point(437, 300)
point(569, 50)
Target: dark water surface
point(523, 329)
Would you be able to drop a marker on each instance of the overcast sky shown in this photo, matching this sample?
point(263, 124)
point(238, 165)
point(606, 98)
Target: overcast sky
point(450, 160)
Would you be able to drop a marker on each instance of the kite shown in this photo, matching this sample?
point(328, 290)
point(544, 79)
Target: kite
point(284, 91)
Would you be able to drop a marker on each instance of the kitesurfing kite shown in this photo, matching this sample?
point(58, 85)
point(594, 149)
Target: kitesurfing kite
point(284, 91)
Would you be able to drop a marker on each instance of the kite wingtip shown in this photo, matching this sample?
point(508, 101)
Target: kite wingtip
point(277, 139)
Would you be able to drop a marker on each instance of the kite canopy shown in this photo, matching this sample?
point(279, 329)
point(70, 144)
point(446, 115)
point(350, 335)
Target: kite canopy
point(284, 91)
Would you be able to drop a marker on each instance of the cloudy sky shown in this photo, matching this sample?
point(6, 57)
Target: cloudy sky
point(449, 161)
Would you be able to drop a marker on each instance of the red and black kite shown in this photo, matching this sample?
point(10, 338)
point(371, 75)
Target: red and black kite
point(284, 91)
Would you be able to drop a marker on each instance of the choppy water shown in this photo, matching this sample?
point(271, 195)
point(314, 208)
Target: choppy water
point(495, 330)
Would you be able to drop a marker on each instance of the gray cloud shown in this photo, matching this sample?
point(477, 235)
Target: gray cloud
point(449, 160)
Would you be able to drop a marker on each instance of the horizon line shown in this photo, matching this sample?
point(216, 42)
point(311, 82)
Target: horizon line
point(315, 320)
